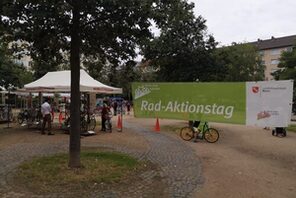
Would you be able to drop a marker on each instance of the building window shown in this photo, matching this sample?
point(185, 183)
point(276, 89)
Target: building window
point(274, 70)
point(275, 52)
point(30, 63)
point(261, 53)
point(289, 49)
point(275, 61)
point(17, 61)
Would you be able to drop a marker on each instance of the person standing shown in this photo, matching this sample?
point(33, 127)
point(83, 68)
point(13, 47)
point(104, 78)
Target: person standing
point(128, 106)
point(104, 115)
point(115, 107)
point(46, 111)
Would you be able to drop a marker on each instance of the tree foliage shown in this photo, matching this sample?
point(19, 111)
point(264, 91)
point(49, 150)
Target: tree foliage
point(287, 68)
point(239, 62)
point(103, 30)
point(183, 49)
point(126, 75)
point(10, 72)
point(109, 30)
point(96, 68)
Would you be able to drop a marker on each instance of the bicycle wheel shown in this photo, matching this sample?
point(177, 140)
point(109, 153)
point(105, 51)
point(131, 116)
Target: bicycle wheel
point(20, 119)
point(211, 135)
point(83, 126)
point(186, 133)
point(66, 125)
point(92, 124)
point(11, 117)
point(39, 123)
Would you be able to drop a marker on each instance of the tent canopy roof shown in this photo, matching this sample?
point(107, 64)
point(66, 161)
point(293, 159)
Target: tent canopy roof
point(60, 81)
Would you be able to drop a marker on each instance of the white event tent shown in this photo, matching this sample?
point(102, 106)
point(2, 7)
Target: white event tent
point(60, 81)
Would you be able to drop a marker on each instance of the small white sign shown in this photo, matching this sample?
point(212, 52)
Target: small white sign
point(269, 103)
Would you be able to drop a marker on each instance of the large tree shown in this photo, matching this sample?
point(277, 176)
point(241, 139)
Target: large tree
point(127, 75)
point(287, 68)
point(106, 30)
point(182, 51)
point(239, 62)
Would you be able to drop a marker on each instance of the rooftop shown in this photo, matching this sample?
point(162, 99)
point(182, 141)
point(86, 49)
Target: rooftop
point(275, 42)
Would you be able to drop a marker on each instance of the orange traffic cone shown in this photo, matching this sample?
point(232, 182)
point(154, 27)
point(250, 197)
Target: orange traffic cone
point(119, 123)
point(157, 127)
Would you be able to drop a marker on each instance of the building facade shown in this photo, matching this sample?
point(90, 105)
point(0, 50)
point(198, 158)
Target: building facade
point(21, 58)
point(271, 50)
point(25, 61)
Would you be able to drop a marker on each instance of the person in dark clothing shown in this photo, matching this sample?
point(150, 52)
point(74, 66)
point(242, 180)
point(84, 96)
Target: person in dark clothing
point(104, 115)
point(115, 107)
point(128, 106)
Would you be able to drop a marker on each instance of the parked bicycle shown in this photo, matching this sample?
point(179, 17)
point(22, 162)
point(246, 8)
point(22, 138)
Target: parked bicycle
point(32, 117)
point(108, 123)
point(85, 124)
point(211, 135)
point(5, 113)
point(88, 124)
point(23, 116)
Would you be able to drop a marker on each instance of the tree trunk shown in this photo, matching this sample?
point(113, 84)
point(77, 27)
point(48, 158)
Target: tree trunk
point(74, 160)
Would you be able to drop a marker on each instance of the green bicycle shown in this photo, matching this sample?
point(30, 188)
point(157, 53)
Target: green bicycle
point(211, 135)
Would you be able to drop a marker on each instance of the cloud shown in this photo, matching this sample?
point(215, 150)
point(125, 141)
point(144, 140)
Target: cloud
point(246, 20)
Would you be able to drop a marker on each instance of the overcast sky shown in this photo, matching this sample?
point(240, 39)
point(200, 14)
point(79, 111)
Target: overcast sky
point(247, 20)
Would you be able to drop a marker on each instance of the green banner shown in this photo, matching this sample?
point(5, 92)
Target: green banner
point(215, 102)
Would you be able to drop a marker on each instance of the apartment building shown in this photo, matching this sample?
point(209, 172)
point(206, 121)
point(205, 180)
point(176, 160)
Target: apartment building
point(24, 61)
point(21, 58)
point(271, 50)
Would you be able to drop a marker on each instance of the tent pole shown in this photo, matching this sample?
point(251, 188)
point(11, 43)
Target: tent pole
point(29, 102)
point(40, 99)
point(88, 106)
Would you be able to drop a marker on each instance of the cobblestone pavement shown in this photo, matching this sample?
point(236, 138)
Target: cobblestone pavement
point(180, 169)
point(177, 161)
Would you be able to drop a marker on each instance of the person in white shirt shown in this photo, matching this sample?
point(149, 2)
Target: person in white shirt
point(46, 113)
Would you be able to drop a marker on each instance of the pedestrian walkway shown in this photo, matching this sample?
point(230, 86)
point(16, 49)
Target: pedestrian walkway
point(179, 167)
point(177, 161)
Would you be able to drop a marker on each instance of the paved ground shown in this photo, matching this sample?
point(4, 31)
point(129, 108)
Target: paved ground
point(179, 167)
point(245, 162)
point(178, 162)
point(248, 162)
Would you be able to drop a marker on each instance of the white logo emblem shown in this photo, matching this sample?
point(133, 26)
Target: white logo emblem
point(141, 91)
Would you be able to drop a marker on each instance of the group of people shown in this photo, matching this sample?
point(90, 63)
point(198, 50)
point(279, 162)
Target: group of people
point(118, 106)
point(106, 113)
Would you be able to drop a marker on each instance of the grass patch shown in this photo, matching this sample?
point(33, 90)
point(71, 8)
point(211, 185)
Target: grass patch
point(51, 174)
point(292, 128)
